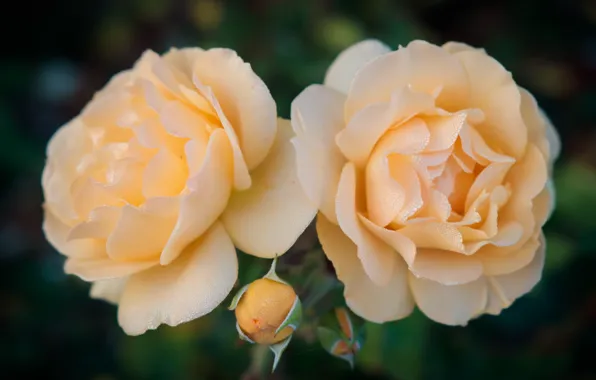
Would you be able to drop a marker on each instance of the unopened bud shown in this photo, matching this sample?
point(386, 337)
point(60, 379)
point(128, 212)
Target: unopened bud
point(267, 312)
point(341, 334)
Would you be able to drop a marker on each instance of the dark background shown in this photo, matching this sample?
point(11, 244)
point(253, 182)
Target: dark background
point(55, 54)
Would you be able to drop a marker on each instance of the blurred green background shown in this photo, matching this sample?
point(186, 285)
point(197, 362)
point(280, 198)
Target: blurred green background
point(55, 54)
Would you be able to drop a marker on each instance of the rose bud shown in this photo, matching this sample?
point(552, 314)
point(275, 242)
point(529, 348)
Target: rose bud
point(341, 334)
point(268, 311)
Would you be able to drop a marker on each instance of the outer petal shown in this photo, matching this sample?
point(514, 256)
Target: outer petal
point(244, 98)
point(505, 289)
point(341, 72)
point(317, 117)
point(190, 287)
point(493, 90)
point(267, 219)
point(450, 305)
point(209, 194)
point(57, 234)
point(104, 268)
point(379, 304)
point(540, 129)
point(425, 67)
point(108, 290)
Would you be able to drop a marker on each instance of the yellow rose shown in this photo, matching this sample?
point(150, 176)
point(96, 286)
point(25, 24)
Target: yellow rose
point(262, 308)
point(170, 166)
point(430, 168)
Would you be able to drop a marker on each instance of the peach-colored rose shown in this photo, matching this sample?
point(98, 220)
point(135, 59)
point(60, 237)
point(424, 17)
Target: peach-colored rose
point(430, 168)
point(170, 166)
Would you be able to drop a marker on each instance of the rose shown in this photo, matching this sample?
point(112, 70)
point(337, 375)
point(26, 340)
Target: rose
point(430, 168)
point(170, 166)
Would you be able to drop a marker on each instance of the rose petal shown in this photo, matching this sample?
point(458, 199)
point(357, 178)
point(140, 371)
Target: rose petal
point(142, 232)
point(242, 179)
point(455, 47)
point(372, 121)
point(540, 130)
point(57, 233)
point(267, 219)
point(376, 303)
point(423, 66)
point(165, 175)
point(384, 196)
point(190, 287)
point(317, 116)
point(377, 257)
point(444, 236)
point(445, 267)
point(100, 224)
point(342, 71)
point(244, 99)
point(395, 239)
point(444, 130)
point(105, 268)
point(493, 90)
point(505, 289)
point(529, 176)
point(108, 290)
point(450, 305)
point(501, 261)
point(209, 192)
point(490, 177)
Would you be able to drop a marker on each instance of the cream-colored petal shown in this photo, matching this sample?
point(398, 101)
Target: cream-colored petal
point(242, 179)
point(108, 290)
point(450, 305)
point(209, 193)
point(57, 234)
point(505, 289)
point(104, 268)
point(421, 65)
point(501, 261)
point(395, 239)
point(377, 257)
point(88, 194)
point(317, 117)
point(529, 176)
point(403, 172)
point(445, 267)
point(267, 219)
point(151, 134)
point(376, 303)
point(244, 98)
point(190, 287)
point(540, 129)
point(343, 70)
point(182, 121)
point(100, 224)
point(165, 175)
point(142, 232)
point(385, 197)
point(454, 47)
point(444, 236)
point(489, 178)
point(544, 203)
point(371, 121)
point(493, 90)
point(444, 130)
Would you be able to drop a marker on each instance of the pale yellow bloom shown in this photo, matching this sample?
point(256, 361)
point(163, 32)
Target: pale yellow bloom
point(169, 167)
point(430, 168)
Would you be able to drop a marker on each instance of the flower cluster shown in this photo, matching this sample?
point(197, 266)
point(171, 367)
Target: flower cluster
point(427, 168)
